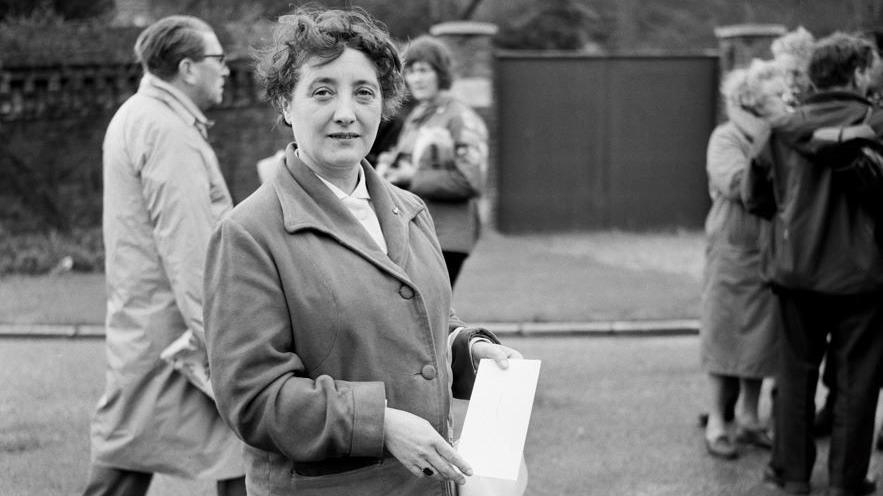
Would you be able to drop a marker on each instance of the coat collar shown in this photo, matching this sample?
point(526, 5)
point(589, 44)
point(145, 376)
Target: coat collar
point(180, 103)
point(307, 204)
point(835, 96)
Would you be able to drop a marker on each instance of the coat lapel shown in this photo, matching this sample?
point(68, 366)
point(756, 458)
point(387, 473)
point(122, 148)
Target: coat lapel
point(307, 204)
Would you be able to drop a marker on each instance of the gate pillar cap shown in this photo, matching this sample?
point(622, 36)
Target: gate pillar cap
point(463, 28)
point(750, 30)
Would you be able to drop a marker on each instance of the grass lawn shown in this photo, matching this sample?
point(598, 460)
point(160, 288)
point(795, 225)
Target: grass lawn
point(537, 278)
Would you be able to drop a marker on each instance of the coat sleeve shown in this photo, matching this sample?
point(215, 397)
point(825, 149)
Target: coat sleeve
point(261, 387)
point(460, 172)
point(176, 189)
point(461, 359)
point(757, 191)
point(726, 161)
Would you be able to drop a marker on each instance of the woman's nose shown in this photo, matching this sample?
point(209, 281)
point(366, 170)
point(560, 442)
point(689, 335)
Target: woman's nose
point(345, 113)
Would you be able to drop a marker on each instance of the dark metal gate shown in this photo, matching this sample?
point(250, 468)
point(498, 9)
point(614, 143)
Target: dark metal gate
point(587, 142)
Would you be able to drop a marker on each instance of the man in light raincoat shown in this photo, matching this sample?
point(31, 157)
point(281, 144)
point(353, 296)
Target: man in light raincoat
point(163, 196)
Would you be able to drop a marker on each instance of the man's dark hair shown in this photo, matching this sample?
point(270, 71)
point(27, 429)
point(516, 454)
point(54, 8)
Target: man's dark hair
point(165, 43)
point(836, 58)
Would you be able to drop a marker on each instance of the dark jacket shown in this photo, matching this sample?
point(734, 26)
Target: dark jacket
point(820, 239)
point(312, 330)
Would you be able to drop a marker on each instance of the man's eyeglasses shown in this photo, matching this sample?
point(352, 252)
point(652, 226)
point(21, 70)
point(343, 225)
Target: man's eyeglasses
point(220, 56)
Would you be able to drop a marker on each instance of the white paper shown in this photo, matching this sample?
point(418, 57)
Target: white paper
point(493, 435)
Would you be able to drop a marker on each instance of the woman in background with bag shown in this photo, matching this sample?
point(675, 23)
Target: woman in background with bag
point(442, 152)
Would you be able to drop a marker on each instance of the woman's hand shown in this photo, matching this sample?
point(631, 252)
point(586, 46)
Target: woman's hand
point(418, 446)
point(497, 352)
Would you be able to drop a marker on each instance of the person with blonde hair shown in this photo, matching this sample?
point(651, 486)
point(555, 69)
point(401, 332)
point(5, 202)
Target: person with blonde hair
point(793, 50)
point(739, 321)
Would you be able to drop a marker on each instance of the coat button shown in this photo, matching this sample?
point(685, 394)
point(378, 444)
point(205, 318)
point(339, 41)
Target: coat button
point(428, 372)
point(406, 292)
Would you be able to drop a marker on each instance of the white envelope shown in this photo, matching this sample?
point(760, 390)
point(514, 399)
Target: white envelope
point(495, 427)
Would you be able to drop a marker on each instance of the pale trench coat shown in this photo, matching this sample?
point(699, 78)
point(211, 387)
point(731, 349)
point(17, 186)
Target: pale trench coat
point(312, 330)
point(739, 318)
point(163, 196)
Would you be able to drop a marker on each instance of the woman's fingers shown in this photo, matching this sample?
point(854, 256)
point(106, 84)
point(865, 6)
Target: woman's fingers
point(418, 446)
point(456, 464)
point(497, 352)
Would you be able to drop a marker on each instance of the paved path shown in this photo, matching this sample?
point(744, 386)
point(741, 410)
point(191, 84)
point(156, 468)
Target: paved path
point(612, 416)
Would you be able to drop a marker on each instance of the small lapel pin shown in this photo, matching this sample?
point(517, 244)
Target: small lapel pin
point(395, 210)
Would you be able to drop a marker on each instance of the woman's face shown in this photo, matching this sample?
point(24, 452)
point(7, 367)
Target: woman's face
point(335, 110)
point(775, 101)
point(422, 80)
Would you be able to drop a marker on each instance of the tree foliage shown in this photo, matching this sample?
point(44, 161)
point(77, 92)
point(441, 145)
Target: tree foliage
point(44, 10)
point(552, 25)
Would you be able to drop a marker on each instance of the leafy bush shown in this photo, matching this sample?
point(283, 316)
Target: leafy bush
point(39, 253)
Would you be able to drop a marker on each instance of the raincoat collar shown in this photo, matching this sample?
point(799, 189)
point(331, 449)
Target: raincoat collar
point(180, 103)
point(307, 204)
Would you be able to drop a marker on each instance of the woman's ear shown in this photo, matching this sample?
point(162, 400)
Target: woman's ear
point(286, 115)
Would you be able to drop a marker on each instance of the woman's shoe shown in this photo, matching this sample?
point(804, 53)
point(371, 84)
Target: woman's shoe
point(721, 447)
point(756, 437)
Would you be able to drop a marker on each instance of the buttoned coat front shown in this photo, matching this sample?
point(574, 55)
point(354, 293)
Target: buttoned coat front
point(312, 330)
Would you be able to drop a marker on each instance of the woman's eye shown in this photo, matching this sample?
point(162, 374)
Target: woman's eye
point(365, 93)
point(322, 93)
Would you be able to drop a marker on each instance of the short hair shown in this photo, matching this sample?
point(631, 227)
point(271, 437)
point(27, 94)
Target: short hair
point(746, 87)
point(427, 49)
point(836, 58)
point(168, 41)
point(314, 32)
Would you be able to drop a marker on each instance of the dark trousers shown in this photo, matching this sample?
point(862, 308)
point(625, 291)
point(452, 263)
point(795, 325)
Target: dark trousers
point(109, 481)
point(855, 325)
point(454, 260)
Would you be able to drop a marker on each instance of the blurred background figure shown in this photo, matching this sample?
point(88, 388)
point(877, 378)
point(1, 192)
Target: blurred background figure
point(739, 321)
point(824, 260)
point(792, 51)
point(442, 152)
point(163, 196)
point(825, 416)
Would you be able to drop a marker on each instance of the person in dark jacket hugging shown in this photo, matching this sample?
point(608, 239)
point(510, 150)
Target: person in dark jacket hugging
point(826, 269)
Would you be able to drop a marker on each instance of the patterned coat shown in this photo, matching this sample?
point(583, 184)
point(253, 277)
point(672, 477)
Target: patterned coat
point(447, 143)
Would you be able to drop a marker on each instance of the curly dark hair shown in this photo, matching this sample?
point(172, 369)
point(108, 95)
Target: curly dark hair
point(315, 32)
point(835, 59)
point(427, 49)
